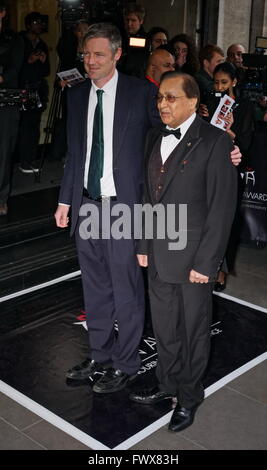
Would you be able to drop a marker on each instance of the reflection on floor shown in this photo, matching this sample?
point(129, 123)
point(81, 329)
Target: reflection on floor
point(224, 418)
point(40, 339)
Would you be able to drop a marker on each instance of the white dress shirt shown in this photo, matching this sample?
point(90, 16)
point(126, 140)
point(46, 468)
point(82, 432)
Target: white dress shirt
point(169, 142)
point(108, 99)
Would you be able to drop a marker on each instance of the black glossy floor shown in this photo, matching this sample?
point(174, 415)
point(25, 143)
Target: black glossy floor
point(43, 334)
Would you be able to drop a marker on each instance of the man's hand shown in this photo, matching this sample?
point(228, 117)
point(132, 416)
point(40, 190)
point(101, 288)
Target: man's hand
point(42, 57)
point(203, 110)
point(61, 216)
point(236, 156)
point(63, 83)
point(229, 119)
point(37, 56)
point(198, 278)
point(142, 260)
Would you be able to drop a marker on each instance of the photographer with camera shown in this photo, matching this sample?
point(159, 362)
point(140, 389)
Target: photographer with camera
point(11, 57)
point(34, 70)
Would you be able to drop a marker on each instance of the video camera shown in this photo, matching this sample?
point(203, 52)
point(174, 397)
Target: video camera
point(24, 99)
point(254, 83)
point(211, 99)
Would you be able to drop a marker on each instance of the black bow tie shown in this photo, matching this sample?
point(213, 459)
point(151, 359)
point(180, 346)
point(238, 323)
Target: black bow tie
point(175, 132)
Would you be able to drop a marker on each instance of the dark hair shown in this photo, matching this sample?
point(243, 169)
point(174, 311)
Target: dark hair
point(33, 16)
point(192, 65)
point(136, 9)
point(208, 51)
point(190, 86)
point(105, 30)
point(79, 22)
point(157, 29)
point(227, 68)
point(167, 47)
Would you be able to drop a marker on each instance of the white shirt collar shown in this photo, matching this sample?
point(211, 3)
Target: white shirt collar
point(185, 125)
point(110, 86)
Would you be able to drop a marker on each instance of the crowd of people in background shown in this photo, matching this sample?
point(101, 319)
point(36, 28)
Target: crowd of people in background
point(25, 64)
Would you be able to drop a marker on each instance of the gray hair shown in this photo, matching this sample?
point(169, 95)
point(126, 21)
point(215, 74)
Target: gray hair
point(104, 30)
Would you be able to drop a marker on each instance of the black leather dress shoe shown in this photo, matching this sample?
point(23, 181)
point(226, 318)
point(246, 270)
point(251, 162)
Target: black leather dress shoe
point(182, 418)
point(112, 380)
point(150, 396)
point(86, 370)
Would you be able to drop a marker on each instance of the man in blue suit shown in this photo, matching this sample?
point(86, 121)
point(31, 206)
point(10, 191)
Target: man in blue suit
point(111, 277)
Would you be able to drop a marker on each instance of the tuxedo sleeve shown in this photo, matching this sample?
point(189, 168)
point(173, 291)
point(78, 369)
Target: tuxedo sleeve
point(142, 244)
point(221, 200)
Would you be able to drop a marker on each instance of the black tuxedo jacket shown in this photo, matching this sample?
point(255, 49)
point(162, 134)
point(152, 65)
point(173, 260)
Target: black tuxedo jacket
point(201, 176)
point(135, 113)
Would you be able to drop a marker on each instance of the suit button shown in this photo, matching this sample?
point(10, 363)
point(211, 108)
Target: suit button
point(160, 187)
point(162, 170)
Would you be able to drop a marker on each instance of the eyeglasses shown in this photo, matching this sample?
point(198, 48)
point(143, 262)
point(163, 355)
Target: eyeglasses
point(168, 98)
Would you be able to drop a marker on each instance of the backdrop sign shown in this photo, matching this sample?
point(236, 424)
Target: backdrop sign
point(254, 198)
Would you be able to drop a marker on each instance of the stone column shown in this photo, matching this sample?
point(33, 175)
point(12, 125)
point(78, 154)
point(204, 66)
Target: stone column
point(170, 14)
point(234, 23)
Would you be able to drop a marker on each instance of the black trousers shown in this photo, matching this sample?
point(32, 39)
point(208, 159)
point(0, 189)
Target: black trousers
point(181, 318)
point(113, 291)
point(29, 134)
point(9, 122)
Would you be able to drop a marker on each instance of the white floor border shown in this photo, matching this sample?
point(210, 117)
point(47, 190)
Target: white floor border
point(239, 301)
point(40, 286)
point(52, 418)
point(208, 391)
point(93, 443)
point(85, 438)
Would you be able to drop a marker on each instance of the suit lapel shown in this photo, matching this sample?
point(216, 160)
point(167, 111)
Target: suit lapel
point(151, 144)
point(183, 152)
point(121, 114)
point(83, 117)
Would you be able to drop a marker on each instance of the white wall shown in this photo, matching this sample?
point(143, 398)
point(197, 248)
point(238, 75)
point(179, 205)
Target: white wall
point(234, 23)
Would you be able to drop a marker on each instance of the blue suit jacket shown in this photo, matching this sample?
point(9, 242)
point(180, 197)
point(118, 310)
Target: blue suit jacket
point(135, 112)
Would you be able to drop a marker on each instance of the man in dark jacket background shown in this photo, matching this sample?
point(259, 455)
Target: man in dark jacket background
point(34, 70)
point(11, 57)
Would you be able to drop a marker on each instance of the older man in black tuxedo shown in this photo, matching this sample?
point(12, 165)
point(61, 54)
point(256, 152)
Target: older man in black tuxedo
point(187, 163)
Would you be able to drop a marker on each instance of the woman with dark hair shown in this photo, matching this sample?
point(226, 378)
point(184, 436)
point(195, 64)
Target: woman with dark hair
point(240, 127)
point(156, 37)
point(186, 54)
point(240, 122)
